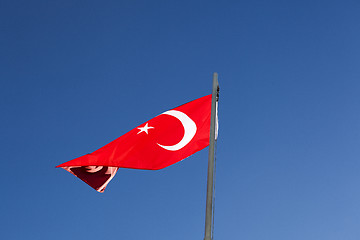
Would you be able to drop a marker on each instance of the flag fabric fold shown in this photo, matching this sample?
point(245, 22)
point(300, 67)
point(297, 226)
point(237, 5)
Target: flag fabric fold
point(160, 142)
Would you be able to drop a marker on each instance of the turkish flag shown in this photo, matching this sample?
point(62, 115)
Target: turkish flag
point(162, 141)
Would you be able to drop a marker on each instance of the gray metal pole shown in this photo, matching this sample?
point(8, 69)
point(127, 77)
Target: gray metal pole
point(210, 176)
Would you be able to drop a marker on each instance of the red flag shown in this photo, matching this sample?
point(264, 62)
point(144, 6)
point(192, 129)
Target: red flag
point(162, 141)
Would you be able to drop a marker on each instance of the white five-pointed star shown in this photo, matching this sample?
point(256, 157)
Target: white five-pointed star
point(144, 129)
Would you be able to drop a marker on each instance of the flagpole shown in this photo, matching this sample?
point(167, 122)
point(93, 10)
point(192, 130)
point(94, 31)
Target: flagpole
point(210, 176)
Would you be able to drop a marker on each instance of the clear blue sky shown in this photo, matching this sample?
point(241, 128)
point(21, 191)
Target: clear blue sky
point(77, 74)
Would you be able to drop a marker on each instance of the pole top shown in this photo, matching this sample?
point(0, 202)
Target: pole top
point(216, 87)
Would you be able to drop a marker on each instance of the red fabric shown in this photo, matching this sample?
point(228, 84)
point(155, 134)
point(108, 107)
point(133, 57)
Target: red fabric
point(95, 176)
point(141, 147)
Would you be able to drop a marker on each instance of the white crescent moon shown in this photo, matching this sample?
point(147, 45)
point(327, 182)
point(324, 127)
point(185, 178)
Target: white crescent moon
point(189, 130)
